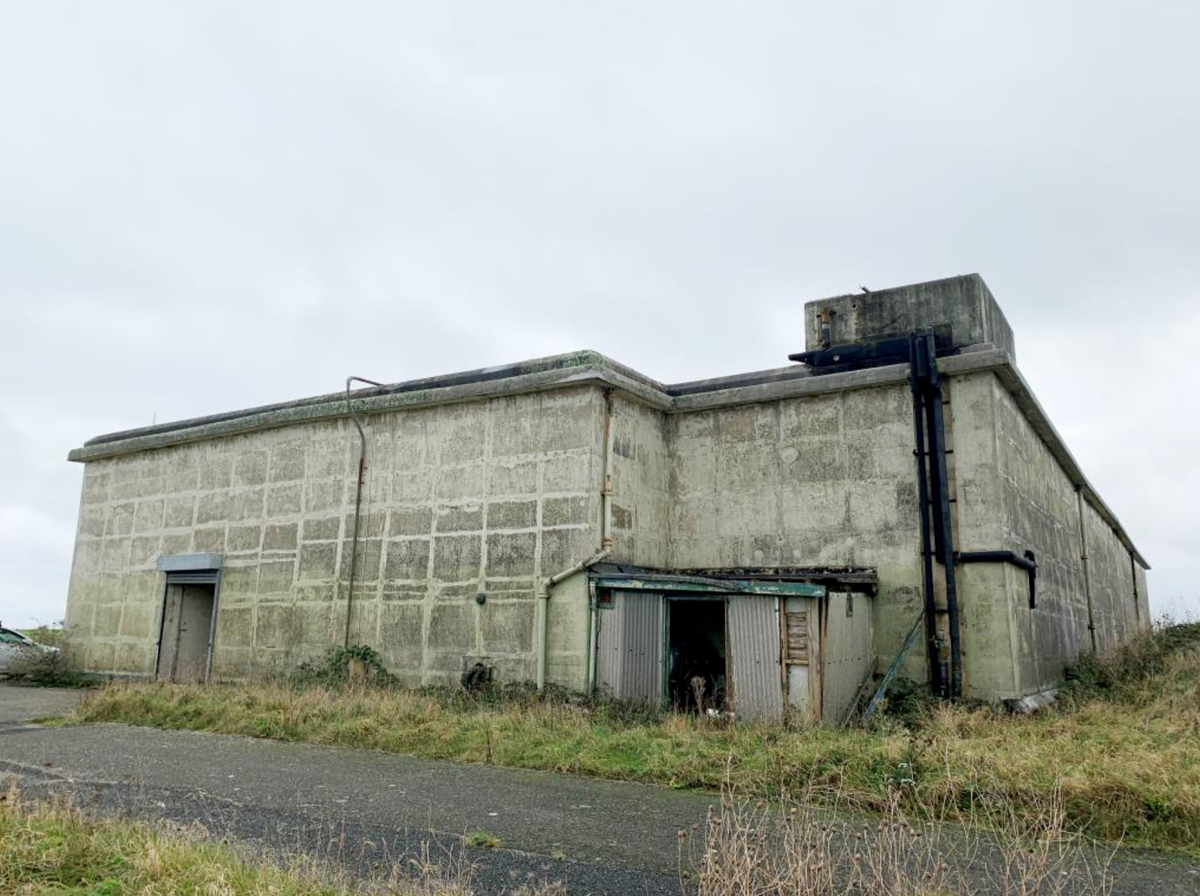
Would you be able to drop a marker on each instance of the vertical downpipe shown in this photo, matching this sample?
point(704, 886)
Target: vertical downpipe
point(606, 544)
point(1087, 572)
point(593, 633)
point(921, 452)
point(1137, 598)
point(362, 467)
point(925, 372)
point(945, 529)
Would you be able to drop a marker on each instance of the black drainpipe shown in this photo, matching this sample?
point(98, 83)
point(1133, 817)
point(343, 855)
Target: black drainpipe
point(931, 447)
point(932, 648)
point(362, 466)
point(1084, 561)
point(1137, 601)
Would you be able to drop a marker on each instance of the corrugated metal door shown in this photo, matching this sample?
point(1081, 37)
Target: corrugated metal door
point(629, 647)
point(848, 651)
point(754, 656)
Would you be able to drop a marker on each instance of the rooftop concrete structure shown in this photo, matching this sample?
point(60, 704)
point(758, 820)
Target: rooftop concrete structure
point(479, 487)
point(961, 308)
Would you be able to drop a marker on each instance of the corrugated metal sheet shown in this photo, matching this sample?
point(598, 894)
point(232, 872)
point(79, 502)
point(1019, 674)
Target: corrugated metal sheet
point(754, 655)
point(848, 652)
point(629, 647)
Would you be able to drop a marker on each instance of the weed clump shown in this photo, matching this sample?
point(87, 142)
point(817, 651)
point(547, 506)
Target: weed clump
point(342, 665)
point(1144, 664)
point(48, 670)
point(479, 692)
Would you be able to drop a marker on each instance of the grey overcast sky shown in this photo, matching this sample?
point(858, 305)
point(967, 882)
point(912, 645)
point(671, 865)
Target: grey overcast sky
point(206, 206)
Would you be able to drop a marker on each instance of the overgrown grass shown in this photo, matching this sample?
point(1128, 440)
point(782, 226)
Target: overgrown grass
point(791, 849)
point(781, 849)
point(1124, 750)
point(55, 849)
point(48, 670)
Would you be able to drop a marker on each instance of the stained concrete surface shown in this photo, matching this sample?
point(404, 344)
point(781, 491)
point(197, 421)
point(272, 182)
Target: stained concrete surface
point(369, 810)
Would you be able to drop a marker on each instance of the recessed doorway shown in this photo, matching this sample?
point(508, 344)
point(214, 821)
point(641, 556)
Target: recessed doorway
point(697, 675)
point(186, 635)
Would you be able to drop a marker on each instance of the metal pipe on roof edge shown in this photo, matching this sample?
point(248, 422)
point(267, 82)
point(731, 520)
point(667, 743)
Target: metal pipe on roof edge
point(606, 545)
point(362, 460)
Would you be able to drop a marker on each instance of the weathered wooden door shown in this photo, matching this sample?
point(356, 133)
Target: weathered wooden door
point(802, 656)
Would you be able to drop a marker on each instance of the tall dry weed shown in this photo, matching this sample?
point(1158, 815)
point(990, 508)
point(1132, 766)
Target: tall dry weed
point(748, 848)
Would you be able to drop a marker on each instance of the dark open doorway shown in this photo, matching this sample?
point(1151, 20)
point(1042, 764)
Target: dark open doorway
point(187, 624)
point(696, 678)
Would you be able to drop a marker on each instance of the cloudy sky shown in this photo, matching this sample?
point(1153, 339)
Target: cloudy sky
point(206, 206)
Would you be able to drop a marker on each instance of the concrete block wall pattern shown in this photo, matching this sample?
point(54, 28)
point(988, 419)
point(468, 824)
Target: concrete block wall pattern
point(458, 500)
point(490, 481)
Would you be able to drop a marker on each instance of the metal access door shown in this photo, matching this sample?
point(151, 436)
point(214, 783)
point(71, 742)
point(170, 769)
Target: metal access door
point(753, 634)
point(187, 627)
point(629, 647)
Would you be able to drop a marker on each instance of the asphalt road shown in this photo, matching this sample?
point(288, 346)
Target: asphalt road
point(19, 704)
point(370, 810)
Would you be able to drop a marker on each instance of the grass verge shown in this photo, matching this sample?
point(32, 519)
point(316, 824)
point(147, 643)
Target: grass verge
point(51, 848)
point(1124, 749)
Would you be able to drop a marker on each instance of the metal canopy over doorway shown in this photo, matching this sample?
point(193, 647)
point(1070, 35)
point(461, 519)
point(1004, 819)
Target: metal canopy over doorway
point(688, 584)
point(658, 639)
point(188, 617)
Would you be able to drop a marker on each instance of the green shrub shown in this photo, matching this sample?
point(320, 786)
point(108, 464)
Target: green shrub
point(48, 670)
point(1123, 674)
point(334, 667)
point(50, 635)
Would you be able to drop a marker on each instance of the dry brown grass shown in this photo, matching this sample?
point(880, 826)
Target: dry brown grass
point(766, 849)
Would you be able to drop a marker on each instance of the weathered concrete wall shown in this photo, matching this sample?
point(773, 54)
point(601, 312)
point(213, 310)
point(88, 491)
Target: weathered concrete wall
point(960, 308)
point(481, 496)
point(831, 480)
point(1014, 495)
point(490, 494)
point(986, 591)
point(827, 479)
point(1119, 602)
point(641, 474)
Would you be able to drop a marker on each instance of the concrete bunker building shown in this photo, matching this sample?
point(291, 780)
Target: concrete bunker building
point(763, 542)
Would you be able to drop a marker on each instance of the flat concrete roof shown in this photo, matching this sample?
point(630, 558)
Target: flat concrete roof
point(593, 368)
